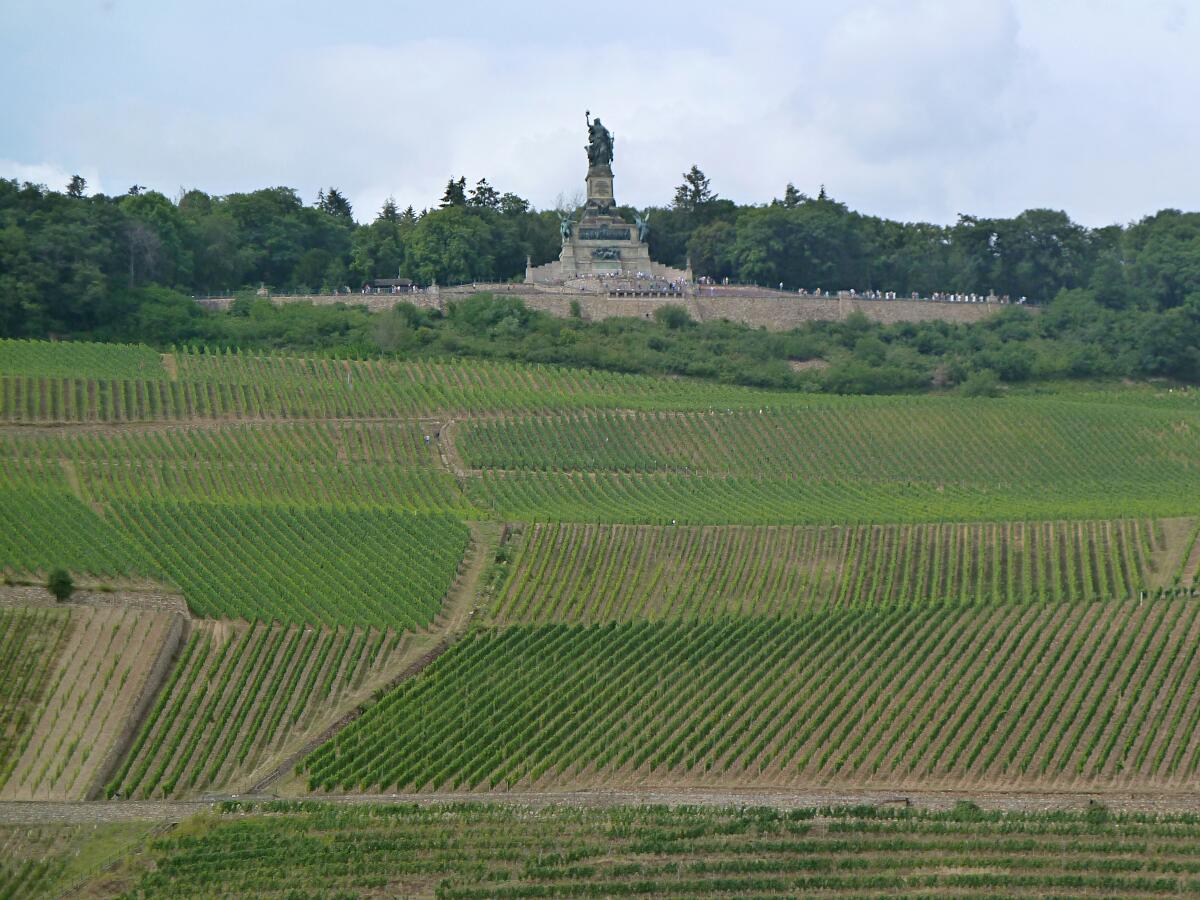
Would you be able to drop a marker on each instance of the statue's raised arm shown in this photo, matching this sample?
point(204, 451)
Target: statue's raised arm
point(600, 142)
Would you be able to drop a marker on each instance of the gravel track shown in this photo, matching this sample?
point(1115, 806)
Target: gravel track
point(1007, 801)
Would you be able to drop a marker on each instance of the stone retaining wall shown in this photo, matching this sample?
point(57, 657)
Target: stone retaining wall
point(775, 311)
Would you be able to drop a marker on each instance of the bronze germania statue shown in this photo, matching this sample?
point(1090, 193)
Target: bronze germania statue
point(600, 142)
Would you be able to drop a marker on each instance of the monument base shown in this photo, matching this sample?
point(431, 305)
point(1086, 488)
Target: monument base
point(602, 244)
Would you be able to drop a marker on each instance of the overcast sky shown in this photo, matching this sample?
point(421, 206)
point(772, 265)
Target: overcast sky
point(912, 109)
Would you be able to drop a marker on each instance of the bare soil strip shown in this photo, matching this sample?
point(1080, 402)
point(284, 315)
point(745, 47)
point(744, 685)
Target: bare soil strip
point(1159, 802)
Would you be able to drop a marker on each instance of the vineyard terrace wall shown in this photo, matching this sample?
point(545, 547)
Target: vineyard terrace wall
point(775, 312)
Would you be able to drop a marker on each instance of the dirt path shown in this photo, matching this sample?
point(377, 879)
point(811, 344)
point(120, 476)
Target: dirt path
point(1175, 555)
point(1162, 802)
point(171, 365)
point(1190, 566)
point(456, 616)
point(448, 451)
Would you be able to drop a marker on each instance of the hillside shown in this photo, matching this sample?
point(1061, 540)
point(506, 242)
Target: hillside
point(319, 578)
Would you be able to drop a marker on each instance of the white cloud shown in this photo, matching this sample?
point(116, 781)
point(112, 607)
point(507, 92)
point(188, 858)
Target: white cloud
point(50, 175)
point(905, 108)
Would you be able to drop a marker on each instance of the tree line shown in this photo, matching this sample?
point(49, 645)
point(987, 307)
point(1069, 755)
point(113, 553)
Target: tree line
point(1123, 300)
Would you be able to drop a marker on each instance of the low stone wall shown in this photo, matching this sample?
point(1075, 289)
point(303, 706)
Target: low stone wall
point(772, 313)
point(775, 311)
point(155, 601)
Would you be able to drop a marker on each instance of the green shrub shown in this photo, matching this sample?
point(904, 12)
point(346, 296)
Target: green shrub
point(983, 383)
point(672, 316)
point(60, 584)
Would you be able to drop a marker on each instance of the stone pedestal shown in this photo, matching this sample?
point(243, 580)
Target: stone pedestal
point(602, 243)
point(600, 200)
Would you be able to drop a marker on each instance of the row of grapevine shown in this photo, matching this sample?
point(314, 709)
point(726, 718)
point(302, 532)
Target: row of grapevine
point(46, 528)
point(602, 573)
point(26, 399)
point(466, 384)
point(935, 440)
point(331, 464)
point(672, 498)
point(353, 485)
point(238, 695)
point(39, 860)
point(81, 359)
point(1039, 695)
point(378, 568)
point(106, 659)
point(30, 643)
point(475, 851)
point(249, 387)
point(394, 443)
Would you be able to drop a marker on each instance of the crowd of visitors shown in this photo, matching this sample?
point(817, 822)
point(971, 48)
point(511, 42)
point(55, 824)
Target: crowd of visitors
point(935, 297)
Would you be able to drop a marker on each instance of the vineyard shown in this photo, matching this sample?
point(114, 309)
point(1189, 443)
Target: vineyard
point(472, 851)
point(671, 498)
point(605, 573)
point(79, 359)
point(338, 464)
point(840, 460)
point(30, 642)
point(43, 528)
point(1045, 695)
point(239, 695)
point(224, 385)
point(937, 440)
point(414, 575)
point(106, 659)
point(377, 568)
point(45, 860)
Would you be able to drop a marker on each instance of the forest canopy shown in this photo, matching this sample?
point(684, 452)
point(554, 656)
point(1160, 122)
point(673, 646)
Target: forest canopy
point(1117, 301)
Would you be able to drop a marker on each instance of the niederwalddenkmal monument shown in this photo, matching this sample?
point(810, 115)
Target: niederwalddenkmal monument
point(602, 244)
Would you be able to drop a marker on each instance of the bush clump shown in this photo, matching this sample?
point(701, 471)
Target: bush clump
point(60, 585)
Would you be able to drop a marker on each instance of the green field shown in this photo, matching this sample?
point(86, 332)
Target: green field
point(234, 699)
point(841, 460)
point(477, 851)
point(944, 440)
point(221, 385)
point(79, 359)
point(30, 641)
point(340, 464)
point(603, 573)
point(1036, 695)
point(385, 569)
point(46, 528)
point(508, 580)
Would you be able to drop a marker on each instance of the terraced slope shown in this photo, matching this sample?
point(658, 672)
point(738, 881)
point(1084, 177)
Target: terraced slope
point(44, 528)
point(38, 861)
point(1044, 695)
point(668, 499)
point(474, 851)
point(840, 460)
point(318, 463)
point(238, 696)
point(942, 440)
point(249, 386)
point(30, 643)
point(81, 359)
point(366, 567)
point(108, 660)
point(604, 573)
